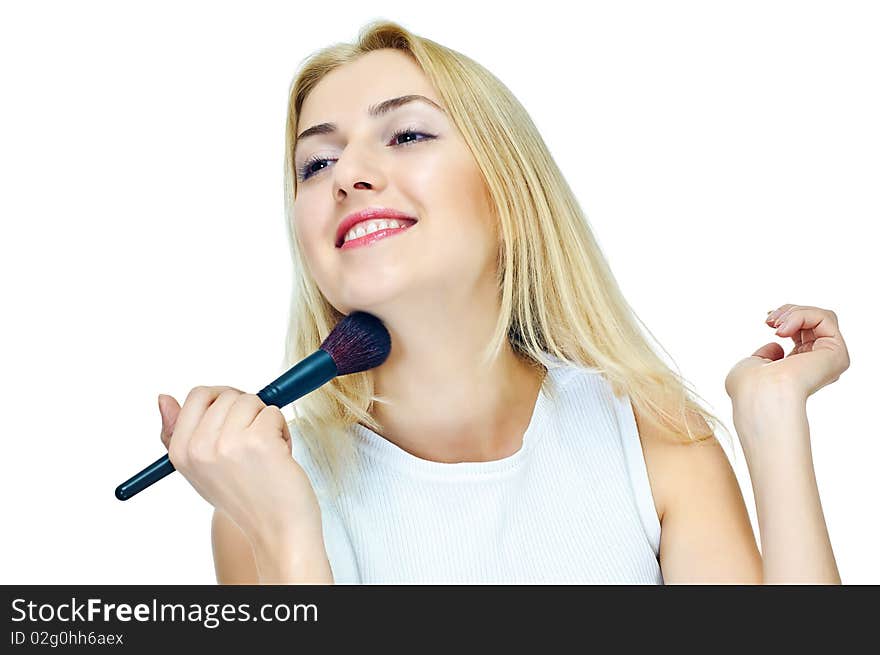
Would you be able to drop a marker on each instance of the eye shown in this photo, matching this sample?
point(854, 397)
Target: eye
point(410, 131)
point(308, 169)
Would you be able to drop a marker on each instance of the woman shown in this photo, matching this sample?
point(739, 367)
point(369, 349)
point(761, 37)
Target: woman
point(522, 429)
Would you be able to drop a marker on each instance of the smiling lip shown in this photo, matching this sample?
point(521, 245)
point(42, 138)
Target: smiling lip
point(372, 237)
point(368, 214)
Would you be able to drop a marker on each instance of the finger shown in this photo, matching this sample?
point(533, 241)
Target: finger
point(771, 351)
point(211, 425)
point(169, 408)
point(285, 432)
point(801, 348)
point(804, 339)
point(286, 435)
point(194, 407)
point(784, 311)
point(775, 314)
point(247, 407)
point(271, 421)
point(798, 338)
point(822, 322)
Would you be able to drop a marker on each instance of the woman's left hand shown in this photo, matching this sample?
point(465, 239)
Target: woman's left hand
point(818, 358)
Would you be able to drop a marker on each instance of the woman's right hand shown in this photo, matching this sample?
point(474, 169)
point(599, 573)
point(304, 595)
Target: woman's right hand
point(237, 454)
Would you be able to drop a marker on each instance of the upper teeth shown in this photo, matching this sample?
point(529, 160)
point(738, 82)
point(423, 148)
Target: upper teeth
point(366, 227)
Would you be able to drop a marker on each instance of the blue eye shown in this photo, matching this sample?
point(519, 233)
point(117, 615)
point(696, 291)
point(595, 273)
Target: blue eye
point(308, 168)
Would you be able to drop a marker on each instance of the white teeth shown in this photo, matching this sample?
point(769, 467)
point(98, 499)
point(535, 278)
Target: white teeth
point(368, 227)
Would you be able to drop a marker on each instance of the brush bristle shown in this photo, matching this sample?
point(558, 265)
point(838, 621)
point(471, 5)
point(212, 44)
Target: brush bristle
point(359, 342)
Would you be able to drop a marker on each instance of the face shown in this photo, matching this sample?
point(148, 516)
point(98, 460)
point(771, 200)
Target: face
point(428, 173)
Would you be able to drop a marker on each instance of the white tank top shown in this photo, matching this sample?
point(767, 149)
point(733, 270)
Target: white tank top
point(573, 505)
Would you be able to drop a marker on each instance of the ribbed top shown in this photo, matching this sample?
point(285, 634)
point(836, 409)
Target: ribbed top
point(572, 505)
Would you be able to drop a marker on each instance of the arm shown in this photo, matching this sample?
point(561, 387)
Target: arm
point(233, 556)
point(769, 390)
point(238, 560)
point(794, 537)
point(706, 534)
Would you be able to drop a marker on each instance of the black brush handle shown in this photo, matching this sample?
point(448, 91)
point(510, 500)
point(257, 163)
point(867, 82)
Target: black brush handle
point(314, 371)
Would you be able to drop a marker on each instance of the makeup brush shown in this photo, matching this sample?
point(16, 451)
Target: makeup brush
point(358, 343)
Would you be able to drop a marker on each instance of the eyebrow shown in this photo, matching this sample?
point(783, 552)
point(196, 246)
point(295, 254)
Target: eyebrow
point(374, 111)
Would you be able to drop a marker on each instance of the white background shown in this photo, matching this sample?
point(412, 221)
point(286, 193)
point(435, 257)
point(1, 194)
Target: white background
point(726, 154)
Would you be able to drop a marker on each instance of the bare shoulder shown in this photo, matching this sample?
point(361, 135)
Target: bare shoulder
point(706, 534)
point(666, 455)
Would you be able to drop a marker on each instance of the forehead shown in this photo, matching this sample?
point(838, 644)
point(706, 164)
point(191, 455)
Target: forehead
point(351, 88)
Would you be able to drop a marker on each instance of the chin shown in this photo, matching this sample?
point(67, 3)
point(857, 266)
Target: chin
point(369, 298)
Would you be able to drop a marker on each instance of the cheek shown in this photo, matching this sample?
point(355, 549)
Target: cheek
point(448, 184)
point(317, 259)
point(307, 225)
point(463, 246)
point(462, 201)
point(314, 253)
point(306, 234)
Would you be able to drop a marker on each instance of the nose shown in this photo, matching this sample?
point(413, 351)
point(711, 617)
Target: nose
point(351, 172)
point(341, 192)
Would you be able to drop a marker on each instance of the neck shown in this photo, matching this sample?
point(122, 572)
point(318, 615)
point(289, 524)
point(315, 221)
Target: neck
point(442, 406)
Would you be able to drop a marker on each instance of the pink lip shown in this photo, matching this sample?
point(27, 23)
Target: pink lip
point(365, 215)
point(372, 237)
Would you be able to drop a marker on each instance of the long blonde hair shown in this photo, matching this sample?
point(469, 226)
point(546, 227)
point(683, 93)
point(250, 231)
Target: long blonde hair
point(558, 294)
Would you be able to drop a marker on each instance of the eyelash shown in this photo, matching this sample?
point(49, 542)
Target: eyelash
point(305, 175)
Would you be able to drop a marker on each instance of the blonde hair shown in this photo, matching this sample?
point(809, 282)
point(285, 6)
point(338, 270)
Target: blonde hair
point(558, 294)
